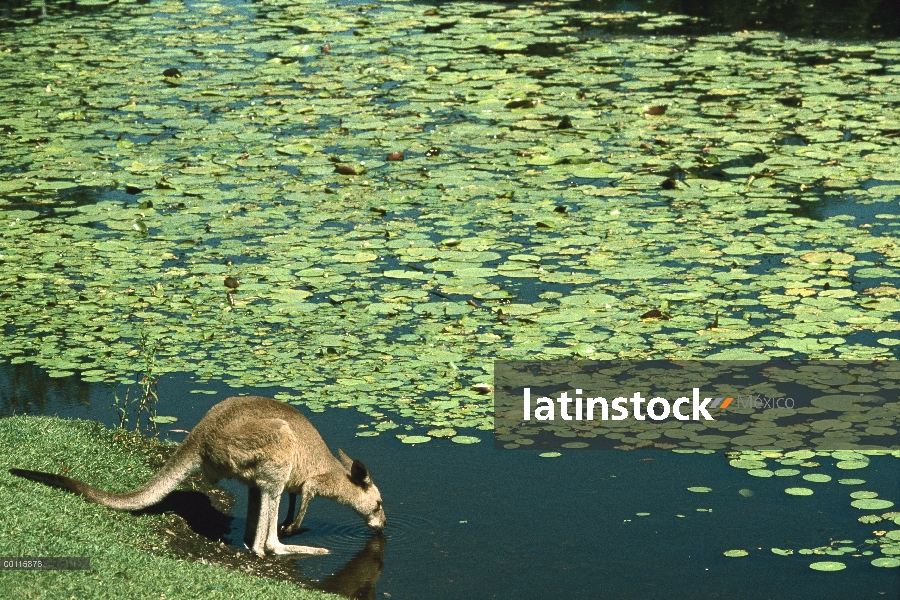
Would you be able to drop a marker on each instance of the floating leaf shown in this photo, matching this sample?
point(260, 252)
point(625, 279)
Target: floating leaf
point(575, 445)
point(760, 472)
point(871, 504)
point(445, 432)
point(852, 464)
point(863, 495)
point(414, 439)
point(464, 439)
point(160, 419)
point(828, 566)
point(886, 562)
point(868, 519)
point(747, 464)
point(786, 472)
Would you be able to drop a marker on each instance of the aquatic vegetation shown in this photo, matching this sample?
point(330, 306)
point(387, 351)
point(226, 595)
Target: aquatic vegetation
point(369, 204)
point(226, 179)
point(886, 541)
point(828, 566)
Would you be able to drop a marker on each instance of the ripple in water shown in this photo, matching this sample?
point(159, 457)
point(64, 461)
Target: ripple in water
point(352, 534)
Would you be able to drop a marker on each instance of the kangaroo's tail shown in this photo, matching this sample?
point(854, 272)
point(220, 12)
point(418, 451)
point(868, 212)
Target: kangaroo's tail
point(185, 461)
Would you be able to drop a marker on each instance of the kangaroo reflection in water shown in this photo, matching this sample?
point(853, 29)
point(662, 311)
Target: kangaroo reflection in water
point(358, 577)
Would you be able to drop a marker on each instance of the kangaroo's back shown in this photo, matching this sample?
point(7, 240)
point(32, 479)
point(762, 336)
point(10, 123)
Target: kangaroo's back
point(239, 430)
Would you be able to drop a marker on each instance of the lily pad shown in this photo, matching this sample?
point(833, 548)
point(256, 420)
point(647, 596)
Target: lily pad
point(871, 504)
point(747, 464)
point(163, 419)
point(786, 472)
point(760, 472)
point(828, 566)
point(852, 464)
point(869, 519)
point(888, 563)
point(414, 439)
point(863, 495)
point(575, 445)
point(464, 439)
point(444, 432)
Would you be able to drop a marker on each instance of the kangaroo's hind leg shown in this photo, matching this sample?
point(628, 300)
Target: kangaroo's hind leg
point(267, 530)
point(253, 506)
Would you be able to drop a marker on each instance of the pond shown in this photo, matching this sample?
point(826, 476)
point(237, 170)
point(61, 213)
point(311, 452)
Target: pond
point(474, 522)
point(359, 206)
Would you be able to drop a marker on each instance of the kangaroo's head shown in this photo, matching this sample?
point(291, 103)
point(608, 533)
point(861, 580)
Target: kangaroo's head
point(364, 497)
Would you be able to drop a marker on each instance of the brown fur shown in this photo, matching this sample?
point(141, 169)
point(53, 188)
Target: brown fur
point(264, 444)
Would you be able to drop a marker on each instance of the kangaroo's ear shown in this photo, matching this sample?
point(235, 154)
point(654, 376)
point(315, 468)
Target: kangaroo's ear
point(360, 474)
point(345, 460)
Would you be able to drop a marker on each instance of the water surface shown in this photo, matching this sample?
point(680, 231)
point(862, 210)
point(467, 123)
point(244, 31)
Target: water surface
point(474, 522)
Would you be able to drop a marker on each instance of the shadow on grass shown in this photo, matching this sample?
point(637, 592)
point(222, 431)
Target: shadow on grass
point(198, 513)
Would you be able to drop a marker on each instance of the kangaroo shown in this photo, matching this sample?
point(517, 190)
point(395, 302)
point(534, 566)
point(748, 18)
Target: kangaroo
point(265, 444)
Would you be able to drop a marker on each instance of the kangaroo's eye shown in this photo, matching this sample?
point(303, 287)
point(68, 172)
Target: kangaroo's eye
point(378, 505)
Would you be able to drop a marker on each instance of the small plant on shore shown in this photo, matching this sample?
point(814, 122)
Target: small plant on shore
point(143, 405)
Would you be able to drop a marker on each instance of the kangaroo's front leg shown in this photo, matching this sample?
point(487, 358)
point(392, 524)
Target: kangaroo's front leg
point(267, 530)
point(306, 494)
point(289, 518)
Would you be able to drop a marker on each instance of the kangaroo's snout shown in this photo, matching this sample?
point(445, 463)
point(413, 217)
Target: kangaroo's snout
point(376, 520)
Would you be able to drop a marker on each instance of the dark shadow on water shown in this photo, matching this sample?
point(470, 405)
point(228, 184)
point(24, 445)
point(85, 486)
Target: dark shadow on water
point(63, 202)
point(829, 19)
point(878, 218)
point(25, 389)
point(27, 12)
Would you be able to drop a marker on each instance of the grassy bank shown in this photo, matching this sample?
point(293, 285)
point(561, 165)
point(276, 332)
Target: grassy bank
point(129, 553)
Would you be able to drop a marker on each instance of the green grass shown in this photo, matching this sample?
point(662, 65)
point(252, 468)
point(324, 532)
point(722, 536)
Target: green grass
point(128, 555)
